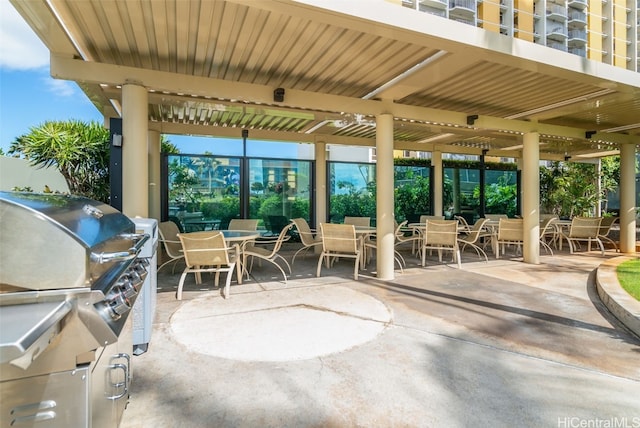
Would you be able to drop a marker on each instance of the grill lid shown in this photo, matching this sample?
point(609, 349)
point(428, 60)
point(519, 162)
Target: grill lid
point(60, 241)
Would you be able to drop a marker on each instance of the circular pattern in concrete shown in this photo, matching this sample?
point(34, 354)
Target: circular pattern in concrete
point(280, 325)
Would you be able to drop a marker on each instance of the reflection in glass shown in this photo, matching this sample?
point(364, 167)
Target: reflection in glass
point(204, 191)
point(352, 191)
point(462, 193)
point(280, 191)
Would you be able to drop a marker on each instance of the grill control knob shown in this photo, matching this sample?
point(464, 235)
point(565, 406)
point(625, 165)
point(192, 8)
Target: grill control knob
point(128, 290)
point(135, 279)
point(118, 305)
point(141, 268)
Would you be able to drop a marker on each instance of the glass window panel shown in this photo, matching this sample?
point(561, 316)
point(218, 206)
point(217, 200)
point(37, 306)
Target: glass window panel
point(352, 191)
point(204, 191)
point(500, 192)
point(461, 193)
point(412, 193)
point(279, 191)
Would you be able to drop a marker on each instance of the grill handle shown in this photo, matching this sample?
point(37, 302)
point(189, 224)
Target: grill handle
point(131, 253)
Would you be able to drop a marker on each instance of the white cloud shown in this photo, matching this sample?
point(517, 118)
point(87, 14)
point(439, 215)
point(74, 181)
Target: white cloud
point(20, 48)
point(62, 88)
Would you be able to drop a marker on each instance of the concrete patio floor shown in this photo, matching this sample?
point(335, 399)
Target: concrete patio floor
point(494, 344)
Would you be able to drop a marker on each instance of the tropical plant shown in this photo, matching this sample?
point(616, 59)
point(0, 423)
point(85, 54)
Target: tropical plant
point(568, 189)
point(500, 197)
point(412, 198)
point(79, 150)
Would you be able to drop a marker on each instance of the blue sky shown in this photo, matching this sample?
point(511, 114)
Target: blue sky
point(30, 97)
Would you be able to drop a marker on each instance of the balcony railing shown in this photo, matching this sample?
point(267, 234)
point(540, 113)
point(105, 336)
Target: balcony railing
point(578, 35)
point(576, 15)
point(463, 4)
point(557, 32)
point(556, 11)
point(557, 46)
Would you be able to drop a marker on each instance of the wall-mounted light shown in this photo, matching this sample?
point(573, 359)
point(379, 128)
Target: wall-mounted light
point(471, 119)
point(278, 95)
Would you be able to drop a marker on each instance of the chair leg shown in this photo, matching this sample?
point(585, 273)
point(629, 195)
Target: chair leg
point(546, 247)
point(356, 266)
point(227, 284)
point(180, 285)
point(320, 260)
point(285, 262)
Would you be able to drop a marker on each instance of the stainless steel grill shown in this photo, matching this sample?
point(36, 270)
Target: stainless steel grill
point(69, 277)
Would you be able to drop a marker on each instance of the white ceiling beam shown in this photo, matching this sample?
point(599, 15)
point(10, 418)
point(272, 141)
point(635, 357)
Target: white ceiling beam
point(186, 85)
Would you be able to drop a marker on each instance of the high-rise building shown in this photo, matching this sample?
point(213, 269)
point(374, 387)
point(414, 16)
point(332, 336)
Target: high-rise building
point(601, 30)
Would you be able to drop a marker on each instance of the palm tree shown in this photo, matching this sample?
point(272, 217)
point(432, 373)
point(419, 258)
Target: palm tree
point(79, 150)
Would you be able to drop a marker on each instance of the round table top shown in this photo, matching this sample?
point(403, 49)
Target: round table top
point(239, 235)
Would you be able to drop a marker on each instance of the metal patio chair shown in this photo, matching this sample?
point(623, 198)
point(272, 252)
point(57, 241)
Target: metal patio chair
point(208, 252)
point(441, 235)
point(168, 233)
point(251, 251)
point(308, 237)
point(339, 241)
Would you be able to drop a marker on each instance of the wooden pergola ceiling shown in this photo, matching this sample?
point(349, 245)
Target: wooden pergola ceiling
point(211, 68)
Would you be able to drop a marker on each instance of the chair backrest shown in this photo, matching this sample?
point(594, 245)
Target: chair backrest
point(243, 224)
point(283, 236)
point(476, 230)
point(306, 235)
point(358, 221)
point(463, 221)
point(495, 217)
point(339, 238)
point(441, 233)
point(204, 248)
point(424, 218)
point(546, 224)
point(585, 227)
point(168, 232)
point(511, 229)
point(177, 221)
point(605, 225)
point(398, 230)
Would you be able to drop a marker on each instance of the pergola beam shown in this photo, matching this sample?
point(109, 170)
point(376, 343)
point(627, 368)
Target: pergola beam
point(207, 88)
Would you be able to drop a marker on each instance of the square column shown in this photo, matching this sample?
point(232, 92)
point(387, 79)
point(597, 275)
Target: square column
point(531, 197)
point(385, 229)
point(135, 161)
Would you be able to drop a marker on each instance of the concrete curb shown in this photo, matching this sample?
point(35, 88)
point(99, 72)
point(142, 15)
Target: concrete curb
point(614, 297)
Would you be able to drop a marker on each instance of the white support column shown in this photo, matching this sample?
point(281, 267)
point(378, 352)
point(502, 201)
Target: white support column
point(385, 238)
point(154, 148)
point(438, 174)
point(599, 188)
point(627, 198)
point(135, 162)
point(321, 184)
point(531, 197)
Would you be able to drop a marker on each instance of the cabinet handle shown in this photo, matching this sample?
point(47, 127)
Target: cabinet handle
point(118, 385)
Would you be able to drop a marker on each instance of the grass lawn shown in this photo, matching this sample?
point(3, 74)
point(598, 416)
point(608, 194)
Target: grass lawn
point(629, 277)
